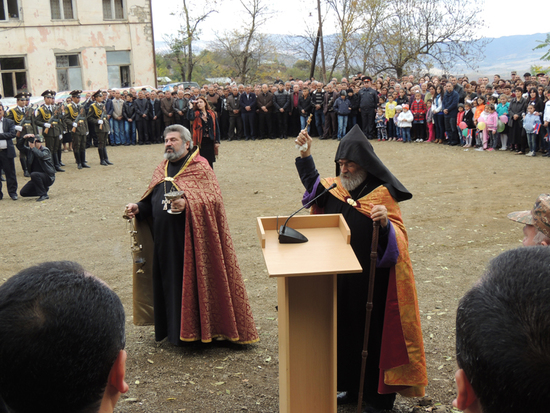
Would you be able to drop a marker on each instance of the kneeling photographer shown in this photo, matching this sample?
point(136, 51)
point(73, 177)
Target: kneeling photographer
point(41, 167)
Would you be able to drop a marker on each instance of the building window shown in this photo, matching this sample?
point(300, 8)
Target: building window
point(9, 10)
point(118, 67)
point(62, 9)
point(113, 9)
point(13, 72)
point(69, 73)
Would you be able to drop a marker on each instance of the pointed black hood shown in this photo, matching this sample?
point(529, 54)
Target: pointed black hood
point(356, 147)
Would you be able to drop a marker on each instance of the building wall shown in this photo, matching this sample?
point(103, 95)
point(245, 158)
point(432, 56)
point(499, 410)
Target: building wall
point(39, 38)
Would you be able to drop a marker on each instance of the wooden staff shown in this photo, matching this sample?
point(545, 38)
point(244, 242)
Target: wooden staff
point(373, 258)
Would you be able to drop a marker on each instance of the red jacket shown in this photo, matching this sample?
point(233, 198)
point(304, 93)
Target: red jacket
point(419, 110)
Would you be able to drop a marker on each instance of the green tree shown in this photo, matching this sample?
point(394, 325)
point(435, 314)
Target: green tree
point(544, 44)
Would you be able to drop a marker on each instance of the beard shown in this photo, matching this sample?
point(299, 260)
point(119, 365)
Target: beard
point(174, 156)
point(351, 181)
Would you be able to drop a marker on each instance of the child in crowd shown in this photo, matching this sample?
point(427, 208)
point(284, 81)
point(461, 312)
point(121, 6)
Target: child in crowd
point(531, 123)
point(390, 114)
point(398, 134)
point(405, 123)
point(342, 107)
point(430, 121)
point(459, 120)
point(480, 108)
point(403, 99)
point(502, 109)
point(381, 124)
point(418, 109)
point(490, 118)
point(468, 119)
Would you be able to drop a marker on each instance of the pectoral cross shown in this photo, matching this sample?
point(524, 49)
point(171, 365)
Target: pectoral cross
point(165, 202)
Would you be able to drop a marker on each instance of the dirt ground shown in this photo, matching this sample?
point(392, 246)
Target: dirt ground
point(456, 223)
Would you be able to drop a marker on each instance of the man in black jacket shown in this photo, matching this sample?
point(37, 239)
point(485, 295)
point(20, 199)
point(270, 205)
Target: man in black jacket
point(367, 106)
point(7, 154)
point(39, 159)
point(142, 111)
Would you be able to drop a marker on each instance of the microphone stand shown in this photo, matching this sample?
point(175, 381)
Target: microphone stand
point(288, 235)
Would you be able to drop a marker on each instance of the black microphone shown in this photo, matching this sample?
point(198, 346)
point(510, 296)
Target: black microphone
point(288, 235)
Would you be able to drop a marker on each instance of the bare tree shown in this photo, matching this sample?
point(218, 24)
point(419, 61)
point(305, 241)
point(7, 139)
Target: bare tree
point(182, 44)
point(246, 47)
point(428, 32)
point(348, 19)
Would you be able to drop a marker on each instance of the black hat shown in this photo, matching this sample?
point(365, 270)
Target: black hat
point(356, 147)
point(76, 93)
point(526, 74)
point(22, 95)
point(541, 74)
point(48, 93)
point(98, 93)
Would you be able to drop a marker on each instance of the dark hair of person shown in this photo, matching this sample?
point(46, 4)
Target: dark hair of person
point(439, 90)
point(61, 331)
point(503, 333)
point(533, 89)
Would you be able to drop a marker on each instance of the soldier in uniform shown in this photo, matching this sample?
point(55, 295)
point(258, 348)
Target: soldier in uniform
point(76, 121)
point(98, 116)
point(48, 117)
point(23, 116)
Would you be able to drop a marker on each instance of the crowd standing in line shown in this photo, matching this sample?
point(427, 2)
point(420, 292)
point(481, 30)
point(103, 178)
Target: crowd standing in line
point(502, 114)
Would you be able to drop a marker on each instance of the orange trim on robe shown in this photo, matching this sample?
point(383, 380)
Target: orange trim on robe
point(214, 298)
point(411, 378)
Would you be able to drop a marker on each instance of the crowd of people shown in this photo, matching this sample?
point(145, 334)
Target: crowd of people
point(502, 114)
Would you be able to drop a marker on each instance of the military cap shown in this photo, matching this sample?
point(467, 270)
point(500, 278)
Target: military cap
point(76, 93)
point(98, 93)
point(539, 216)
point(48, 93)
point(23, 95)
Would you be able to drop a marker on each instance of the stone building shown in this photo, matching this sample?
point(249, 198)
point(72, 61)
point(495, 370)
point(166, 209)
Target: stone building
point(75, 44)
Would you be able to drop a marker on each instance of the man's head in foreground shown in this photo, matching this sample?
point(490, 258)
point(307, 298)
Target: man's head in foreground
point(537, 222)
point(62, 341)
point(503, 336)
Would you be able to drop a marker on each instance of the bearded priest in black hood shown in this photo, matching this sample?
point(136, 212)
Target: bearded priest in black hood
point(366, 192)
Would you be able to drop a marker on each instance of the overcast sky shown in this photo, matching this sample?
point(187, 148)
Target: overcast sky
point(290, 16)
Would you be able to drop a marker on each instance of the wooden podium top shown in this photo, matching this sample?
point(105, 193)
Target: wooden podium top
point(328, 250)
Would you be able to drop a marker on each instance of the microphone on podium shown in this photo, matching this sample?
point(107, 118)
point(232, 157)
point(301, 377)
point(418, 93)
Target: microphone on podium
point(288, 235)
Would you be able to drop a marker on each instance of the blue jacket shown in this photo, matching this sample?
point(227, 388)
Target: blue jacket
point(450, 102)
point(530, 121)
point(342, 107)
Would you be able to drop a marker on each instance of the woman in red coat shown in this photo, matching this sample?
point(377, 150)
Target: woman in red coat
point(205, 129)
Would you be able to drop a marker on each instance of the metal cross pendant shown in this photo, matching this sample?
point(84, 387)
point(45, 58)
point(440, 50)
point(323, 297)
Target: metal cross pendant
point(165, 202)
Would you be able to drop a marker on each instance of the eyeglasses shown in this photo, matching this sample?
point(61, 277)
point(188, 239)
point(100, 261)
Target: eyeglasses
point(24, 100)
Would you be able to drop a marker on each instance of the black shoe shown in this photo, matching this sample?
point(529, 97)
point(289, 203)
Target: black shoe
point(13, 196)
point(346, 397)
point(58, 169)
point(26, 174)
point(61, 163)
point(42, 198)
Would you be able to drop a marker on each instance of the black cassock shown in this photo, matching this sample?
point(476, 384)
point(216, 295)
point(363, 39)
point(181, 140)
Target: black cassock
point(168, 235)
point(353, 290)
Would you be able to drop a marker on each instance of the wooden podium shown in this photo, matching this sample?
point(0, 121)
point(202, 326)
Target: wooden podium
point(306, 290)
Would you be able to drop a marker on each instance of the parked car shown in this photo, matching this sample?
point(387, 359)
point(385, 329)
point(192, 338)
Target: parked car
point(170, 86)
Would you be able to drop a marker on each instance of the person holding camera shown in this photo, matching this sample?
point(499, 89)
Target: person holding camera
point(41, 167)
